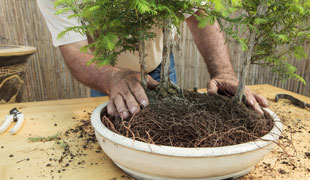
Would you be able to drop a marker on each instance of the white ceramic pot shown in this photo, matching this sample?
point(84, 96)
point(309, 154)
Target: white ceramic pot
point(148, 161)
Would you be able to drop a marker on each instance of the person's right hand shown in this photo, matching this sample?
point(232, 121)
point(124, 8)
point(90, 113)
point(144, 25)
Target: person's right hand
point(126, 93)
point(122, 85)
point(228, 84)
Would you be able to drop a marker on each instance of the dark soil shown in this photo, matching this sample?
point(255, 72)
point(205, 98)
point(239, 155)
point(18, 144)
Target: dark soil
point(191, 119)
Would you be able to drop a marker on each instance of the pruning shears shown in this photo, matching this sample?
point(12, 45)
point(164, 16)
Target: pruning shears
point(14, 116)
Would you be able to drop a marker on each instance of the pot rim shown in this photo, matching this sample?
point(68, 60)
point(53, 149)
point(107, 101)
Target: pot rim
point(267, 139)
point(16, 50)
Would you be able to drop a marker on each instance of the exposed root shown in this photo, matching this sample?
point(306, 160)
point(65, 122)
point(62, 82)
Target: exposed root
point(189, 119)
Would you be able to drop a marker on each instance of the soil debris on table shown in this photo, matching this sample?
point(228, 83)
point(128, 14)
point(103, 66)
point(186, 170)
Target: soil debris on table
point(293, 160)
point(27, 159)
point(307, 154)
point(70, 147)
point(296, 126)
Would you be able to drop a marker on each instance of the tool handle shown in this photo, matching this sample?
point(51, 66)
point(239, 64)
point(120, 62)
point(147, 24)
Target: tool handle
point(294, 100)
point(6, 124)
point(18, 125)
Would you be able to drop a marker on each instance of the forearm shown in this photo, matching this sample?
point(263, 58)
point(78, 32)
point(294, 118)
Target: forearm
point(122, 85)
point(92, 76)
point(210, 42)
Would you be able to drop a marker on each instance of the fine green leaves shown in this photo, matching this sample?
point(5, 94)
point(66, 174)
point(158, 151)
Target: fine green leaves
point(118, 26)
point(218, 5)
point(281, 31)
point(141, 5)
point(109, 41)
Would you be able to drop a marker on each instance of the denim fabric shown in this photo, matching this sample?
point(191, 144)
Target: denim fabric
point(94, 93)
point(155, 74)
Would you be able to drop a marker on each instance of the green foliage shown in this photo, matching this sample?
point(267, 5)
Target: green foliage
point(44, 139)
point(282, 30)
point(118, 26)
point(142, 6)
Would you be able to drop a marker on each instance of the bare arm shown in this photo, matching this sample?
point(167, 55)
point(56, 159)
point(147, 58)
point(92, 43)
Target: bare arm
point(90, 76)
point(211, 44)
point(122, 85)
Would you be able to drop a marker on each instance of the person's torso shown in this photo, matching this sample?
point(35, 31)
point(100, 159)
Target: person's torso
point(129, 60)
point(153, 51)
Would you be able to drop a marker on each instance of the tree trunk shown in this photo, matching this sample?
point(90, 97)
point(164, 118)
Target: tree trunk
point(246, 58)
point(165, 64)
point(142, 64)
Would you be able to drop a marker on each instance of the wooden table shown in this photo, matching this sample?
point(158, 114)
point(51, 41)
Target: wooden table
point(22, 159)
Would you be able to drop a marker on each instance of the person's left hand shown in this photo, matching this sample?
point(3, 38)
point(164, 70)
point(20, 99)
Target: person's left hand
point(228, 85)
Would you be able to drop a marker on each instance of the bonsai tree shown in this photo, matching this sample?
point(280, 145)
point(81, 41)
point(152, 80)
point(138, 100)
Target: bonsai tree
point(110, 24)
point(272, 30)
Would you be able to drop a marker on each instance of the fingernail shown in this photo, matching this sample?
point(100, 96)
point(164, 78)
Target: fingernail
point(125, 115)
point(251, 102)
point(261, 111)
point(144, 103)
point(133, 110)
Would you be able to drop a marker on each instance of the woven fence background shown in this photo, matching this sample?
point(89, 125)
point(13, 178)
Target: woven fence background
point(47, 77)
point(192, 71)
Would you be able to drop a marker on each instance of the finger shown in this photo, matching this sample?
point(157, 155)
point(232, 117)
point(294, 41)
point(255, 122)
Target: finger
point(121, 106)
point(212, 87)
point(261, 100)
point(131, 102)
point(251, 101)
point(151, 83)
point(139, 93)
point(111, 109)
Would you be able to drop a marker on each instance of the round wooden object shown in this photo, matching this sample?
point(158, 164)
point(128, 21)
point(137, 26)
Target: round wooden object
point(16, 50)
point(13, 65)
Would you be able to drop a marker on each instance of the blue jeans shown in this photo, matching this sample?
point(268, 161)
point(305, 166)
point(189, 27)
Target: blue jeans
point(155, 74)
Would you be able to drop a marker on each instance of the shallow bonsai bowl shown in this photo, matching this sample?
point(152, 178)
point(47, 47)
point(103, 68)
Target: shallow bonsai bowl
point(148, 161)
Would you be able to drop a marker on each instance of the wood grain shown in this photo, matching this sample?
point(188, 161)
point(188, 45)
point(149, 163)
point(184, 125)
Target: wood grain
point(41, 117)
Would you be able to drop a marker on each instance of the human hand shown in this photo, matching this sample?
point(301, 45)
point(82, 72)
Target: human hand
point(228, 85)
point(126, 93)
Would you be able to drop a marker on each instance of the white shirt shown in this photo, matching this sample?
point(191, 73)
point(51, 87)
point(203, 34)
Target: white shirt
point(129, 60)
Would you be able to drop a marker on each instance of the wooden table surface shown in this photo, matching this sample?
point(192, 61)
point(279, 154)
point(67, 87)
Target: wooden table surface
point(22, 159)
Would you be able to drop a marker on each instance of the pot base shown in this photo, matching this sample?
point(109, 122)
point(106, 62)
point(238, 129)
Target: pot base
point(149, 161)
point(142, 176)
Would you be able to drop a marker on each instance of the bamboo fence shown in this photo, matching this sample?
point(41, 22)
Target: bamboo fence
point(47, 77)
point(192, 71)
